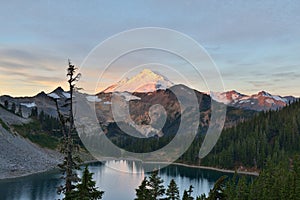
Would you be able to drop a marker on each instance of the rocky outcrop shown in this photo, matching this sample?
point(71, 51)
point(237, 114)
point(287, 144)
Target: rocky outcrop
point(19, 156)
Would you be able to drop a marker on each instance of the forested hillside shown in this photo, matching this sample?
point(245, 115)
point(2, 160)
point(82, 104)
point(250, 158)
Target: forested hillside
point(280, 181)
point(267, 135)
point(276, 181)
point(273, 134)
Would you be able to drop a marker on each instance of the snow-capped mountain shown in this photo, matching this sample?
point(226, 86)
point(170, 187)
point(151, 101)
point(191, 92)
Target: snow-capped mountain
point(145, 81)
point(227, 97)
point(260, 101)
point(42, 101)
point(242, 106)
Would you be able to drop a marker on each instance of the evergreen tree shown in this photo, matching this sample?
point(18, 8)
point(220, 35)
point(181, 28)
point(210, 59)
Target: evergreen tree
point(34, 112)
point(20, 111)
point(242, 189)
point(172, 191)
point(13, 108)
point(86, 190)
point(296, 178)
point(156, 188)
point(273, 134)
point(218, 190)
point(142, 193)
point(280, 181)
point(231, 189)
point(71, 160)
point(185, 195)
point(201, 197)
point(190, 191)
point(6, 104)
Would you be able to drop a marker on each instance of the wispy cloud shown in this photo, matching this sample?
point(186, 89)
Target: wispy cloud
point(248, 40)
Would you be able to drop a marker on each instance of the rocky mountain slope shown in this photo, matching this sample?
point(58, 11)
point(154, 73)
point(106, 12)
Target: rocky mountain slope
point(154, 110)
point(19, 156)
point(143, 92)
point(42, 101)
point(158, 91)
point(145, 83)
point(259, 102)
point(143, 105)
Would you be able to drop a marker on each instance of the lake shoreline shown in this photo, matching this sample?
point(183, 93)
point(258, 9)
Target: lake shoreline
point(41, 171)
point(175, 163)
point(211, 168)
point(27, 174)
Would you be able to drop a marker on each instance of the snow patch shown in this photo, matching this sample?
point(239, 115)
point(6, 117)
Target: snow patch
point(54, 95)
point(279, 98)
point(145, 81)
point(274, 97)
point(270, 101)
point(29, 105)
point(127, 96)
point(93, 98)
point(245, 101)
point(265, 94)
point(219, 97)
point(66, 94)
point(235, 96)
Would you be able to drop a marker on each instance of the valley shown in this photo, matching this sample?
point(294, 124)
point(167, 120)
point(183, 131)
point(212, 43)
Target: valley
point(22, 123)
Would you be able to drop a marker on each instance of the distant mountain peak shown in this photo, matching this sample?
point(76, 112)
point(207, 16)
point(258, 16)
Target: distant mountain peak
point(145, 81)
point(58, 93)
point(235, 92)
point(147, 71)
point(58, 90)
point(41, 94)
point(264, 93)
point(150, 74)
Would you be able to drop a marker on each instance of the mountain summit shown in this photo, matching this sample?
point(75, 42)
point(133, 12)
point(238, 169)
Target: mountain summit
point(260, 101)
point(145, 81)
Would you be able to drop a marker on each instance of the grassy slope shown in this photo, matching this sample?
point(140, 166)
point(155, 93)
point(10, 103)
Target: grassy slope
point(34, 133)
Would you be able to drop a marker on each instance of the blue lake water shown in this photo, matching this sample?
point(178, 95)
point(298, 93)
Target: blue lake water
point(118, 179)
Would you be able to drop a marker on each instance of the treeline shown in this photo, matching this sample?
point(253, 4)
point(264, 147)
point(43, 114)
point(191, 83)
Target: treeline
point(152, 188)
point(41, 123)
point(13, 108)
point(276, 181)
point(47, 123)
point(134, 144)
point(271, 135)
point(43, 129)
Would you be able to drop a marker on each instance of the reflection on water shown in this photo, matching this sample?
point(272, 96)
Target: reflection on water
point(113, 177)
point(39, 186)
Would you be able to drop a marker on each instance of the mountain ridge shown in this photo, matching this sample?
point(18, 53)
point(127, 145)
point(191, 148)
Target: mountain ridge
point(260, 102)
point(148, 82)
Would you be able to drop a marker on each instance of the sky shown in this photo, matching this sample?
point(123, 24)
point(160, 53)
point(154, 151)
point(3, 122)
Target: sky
point(254, 44)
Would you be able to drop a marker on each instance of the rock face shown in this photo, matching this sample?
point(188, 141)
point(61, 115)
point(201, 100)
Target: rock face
point(19, 156)
point(142, 93)
point(144, 110)
point(146, 83)
point(154, 110)
point(42, 101)
point(10, 118)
